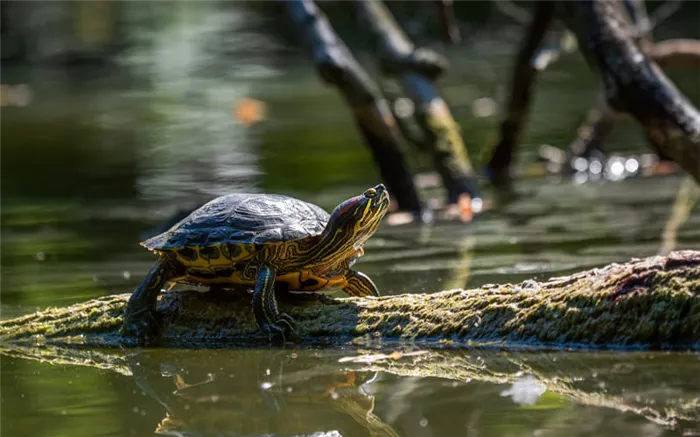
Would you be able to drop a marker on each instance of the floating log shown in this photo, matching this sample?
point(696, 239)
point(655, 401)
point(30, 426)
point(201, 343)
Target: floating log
point(644, 303)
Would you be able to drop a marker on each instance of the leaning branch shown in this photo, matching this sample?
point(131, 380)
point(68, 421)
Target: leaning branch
point(449, 23)
point(601, 120)
point(652, 302)
point(633, 83)
point(338, 67)
point(522, 80)
point(417, 69)
point(675, 53)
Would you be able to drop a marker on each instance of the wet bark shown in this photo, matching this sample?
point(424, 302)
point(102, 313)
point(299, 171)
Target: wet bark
point(674, 53)
point(447, 18)
point(522, 81)
point(651, 303)
point(621, 51)
point(590, 136)
point(417, 69)
point(633, 83)
point(337, 67)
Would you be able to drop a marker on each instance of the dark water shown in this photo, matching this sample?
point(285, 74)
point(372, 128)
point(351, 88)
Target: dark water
point(103, 155)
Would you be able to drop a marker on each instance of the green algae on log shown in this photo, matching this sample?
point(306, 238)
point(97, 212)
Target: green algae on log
point(644, 303)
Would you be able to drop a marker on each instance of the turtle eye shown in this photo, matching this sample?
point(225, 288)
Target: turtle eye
point(370, 193)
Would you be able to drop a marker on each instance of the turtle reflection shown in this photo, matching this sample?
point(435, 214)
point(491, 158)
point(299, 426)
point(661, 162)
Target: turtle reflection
point(265, 392)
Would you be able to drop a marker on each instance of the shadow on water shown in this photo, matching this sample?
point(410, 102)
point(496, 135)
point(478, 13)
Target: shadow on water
point(102, 155)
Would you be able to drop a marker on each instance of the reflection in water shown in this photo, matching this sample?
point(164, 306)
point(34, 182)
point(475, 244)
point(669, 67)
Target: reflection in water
point(525, 391)
point(263, 392)
point(302, 392)
point(687, 197)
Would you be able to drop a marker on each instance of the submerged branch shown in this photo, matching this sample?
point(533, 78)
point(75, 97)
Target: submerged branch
point(652, 303)
point(600, 122)
point(615, 38)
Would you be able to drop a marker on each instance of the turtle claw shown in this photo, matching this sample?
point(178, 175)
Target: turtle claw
point(139, 328)
point(287, 320)
point(282, 330)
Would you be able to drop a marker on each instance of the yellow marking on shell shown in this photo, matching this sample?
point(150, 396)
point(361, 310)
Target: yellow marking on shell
point(235, 278)
point(295, 280)
point(201, 257)
point(225, 252)
point(288, 258)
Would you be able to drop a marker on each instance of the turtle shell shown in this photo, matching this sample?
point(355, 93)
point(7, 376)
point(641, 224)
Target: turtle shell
point(244, 218)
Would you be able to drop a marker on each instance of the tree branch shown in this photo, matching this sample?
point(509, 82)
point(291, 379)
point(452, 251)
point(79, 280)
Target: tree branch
point(672, 53)
point(514, 11)
point(663, 12)
point(417, 69)
point(449, 24)
point(522, 80)
point(634, 84)
point(336, 66)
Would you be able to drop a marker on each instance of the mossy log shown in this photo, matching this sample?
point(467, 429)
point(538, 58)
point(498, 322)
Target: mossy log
point(644, 303)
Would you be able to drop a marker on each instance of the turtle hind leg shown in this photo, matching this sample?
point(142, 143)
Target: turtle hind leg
point(279, 326)
point(360, 285)
point(140, 325)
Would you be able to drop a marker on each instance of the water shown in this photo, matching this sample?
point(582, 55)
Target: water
point(101, 157)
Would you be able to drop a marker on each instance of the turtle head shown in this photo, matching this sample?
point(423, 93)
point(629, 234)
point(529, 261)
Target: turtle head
point(358, 217)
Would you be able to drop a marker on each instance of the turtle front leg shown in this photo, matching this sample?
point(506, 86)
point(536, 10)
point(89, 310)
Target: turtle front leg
point(139, 324)
point(359, 285)
point(267, 314)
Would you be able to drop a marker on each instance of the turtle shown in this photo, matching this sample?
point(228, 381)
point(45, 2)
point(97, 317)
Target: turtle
point(266, 242)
